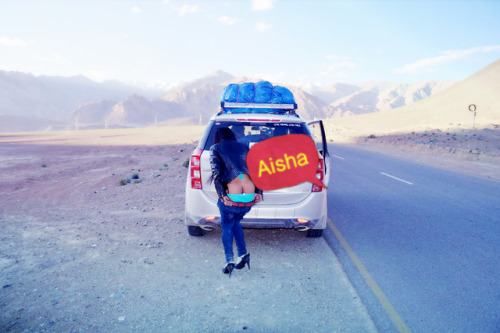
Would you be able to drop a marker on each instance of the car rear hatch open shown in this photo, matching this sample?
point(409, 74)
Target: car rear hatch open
point(251, 131)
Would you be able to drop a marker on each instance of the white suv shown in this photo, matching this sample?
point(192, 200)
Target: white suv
point(302, 207)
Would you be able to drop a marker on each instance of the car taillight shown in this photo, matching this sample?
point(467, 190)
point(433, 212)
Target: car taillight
point(320, 175)
point(195, 167)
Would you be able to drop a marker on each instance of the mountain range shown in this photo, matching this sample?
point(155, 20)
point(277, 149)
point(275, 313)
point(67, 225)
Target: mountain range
point(451, 109)
point(31, 103)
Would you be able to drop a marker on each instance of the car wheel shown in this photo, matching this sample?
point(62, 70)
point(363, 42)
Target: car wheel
point(196, 231)
point(314, 233)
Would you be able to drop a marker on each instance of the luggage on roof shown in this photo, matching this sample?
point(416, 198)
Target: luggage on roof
point(260, 97)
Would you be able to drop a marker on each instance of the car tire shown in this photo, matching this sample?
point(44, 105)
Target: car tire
point(196, 231)
point(314, 233)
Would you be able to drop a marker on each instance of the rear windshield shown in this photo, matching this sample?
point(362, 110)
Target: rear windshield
point(253, 132)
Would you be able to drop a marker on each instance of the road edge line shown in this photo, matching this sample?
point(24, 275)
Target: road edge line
point(384, 302)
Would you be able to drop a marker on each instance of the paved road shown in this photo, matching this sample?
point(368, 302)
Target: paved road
point(428, 238)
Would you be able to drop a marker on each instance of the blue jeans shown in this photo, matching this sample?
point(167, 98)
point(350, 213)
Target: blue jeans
point(231, 217)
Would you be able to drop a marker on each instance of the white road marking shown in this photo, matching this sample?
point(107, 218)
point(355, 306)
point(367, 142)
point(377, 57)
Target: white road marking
point(340, 158)
point(401, 180)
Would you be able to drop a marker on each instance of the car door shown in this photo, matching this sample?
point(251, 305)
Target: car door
point(318, 134)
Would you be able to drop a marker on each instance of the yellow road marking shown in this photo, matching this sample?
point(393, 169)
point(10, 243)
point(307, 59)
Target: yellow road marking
point(395, 317)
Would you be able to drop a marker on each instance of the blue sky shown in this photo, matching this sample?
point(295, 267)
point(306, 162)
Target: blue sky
point(287, 42)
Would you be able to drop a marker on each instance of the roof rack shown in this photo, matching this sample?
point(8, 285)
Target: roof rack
point(276, 112)
point(233, 105)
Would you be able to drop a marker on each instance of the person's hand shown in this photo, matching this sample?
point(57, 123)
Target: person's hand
point(226, 201)
point(257, 198)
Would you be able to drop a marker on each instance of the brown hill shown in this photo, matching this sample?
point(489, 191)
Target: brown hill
point(201, 98)
point(445, 110)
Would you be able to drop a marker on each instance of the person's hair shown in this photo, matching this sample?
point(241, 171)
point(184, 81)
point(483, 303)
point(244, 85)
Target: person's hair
point(224, 133)
point(238, 130)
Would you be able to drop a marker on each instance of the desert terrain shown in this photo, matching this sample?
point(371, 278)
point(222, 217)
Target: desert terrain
point(93, 239)
point(93, 236)
point(440, 130)
point(475, 152)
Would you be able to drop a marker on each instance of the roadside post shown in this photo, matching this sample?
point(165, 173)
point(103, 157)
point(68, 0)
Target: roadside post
point(472, 108)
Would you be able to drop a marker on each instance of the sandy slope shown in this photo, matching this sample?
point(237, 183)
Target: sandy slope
point(473, 152)
point(438, 130)
point(445, 111)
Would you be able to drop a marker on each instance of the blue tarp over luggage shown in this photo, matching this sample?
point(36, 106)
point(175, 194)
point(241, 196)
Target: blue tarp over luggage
point(260, 97)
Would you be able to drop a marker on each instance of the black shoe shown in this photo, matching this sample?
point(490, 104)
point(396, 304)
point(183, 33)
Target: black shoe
point(242, 261)
point(228, 269)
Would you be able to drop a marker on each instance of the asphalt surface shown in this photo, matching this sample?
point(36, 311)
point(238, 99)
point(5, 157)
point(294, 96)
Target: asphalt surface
point(427, 238)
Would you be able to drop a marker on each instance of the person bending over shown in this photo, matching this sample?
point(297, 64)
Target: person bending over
point(236, 191)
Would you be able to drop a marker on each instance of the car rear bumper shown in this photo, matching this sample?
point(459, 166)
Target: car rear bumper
point(311, 213)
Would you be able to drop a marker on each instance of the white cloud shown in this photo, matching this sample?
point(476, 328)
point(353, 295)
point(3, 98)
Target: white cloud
point(338, 67)
point(136, 10)
point(427, 64)
point(262, 4)
point(262, 26)
point(187, 9)
point(227, 20)
point(12, 42)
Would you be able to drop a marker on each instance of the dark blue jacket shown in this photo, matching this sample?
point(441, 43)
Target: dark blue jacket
point(228, 159)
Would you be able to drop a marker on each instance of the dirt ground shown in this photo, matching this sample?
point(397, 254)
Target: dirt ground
point(93, 239)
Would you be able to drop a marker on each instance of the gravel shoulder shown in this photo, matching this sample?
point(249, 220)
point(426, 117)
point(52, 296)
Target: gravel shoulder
point(475, 152)
point(80, 252)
